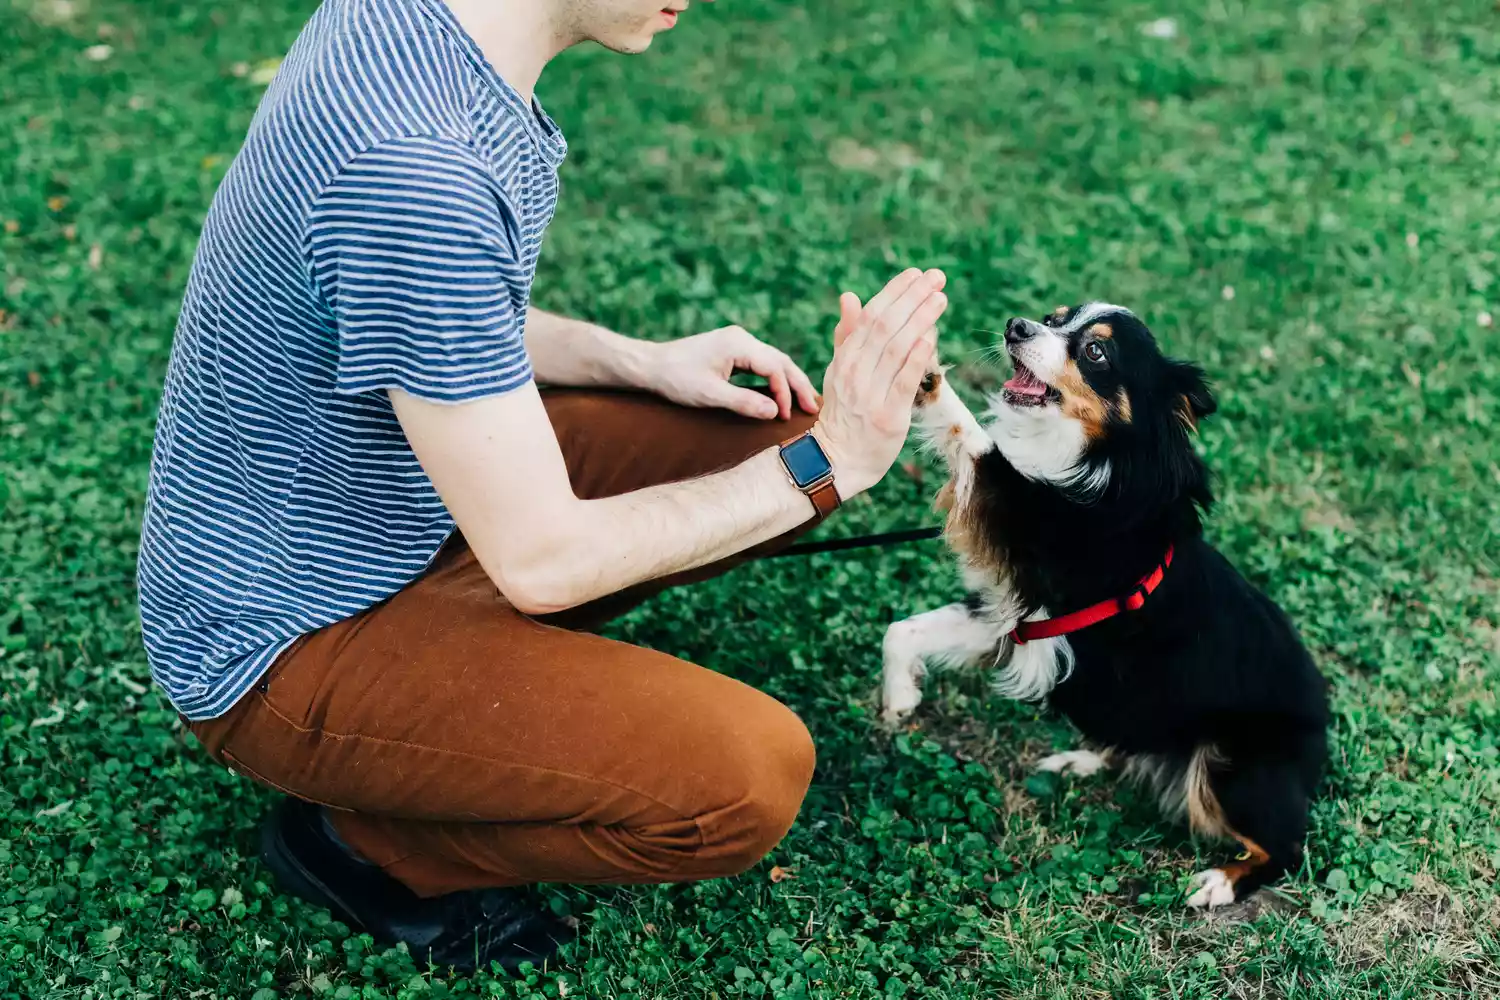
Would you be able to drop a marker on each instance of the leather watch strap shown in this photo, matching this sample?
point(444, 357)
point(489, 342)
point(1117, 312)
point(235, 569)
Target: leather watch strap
point(825, 498)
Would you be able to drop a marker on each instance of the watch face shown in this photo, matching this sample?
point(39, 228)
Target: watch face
point(805, 461)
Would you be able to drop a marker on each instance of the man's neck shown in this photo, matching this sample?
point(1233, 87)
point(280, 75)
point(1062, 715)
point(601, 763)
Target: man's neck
point(518, 37)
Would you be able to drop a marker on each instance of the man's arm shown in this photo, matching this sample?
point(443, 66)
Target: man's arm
point(499, 469)
point(497, 465)
point(571, 352)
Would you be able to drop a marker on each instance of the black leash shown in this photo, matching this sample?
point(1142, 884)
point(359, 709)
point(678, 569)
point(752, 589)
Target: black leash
point(859, 542)
point(881, 539)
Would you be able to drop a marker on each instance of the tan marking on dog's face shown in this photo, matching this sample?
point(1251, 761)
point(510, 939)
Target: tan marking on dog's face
point(1080, 402)
point(1060, 312)
point(1101, 331)
point(1123, 413)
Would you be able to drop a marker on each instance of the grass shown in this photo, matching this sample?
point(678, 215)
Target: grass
point(1301, 196)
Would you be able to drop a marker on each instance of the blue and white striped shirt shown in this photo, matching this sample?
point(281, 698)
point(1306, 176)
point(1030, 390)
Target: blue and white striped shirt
point(379, 228)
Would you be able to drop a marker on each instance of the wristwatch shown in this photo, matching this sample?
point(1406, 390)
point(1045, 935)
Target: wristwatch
point(811, 472)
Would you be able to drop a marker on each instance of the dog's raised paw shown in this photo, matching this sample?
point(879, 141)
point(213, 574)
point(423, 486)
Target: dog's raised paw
point(927, 392)
point(1211, 889)
point(1080, 762)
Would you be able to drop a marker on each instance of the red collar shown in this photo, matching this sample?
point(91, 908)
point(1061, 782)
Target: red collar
point(1046, 628)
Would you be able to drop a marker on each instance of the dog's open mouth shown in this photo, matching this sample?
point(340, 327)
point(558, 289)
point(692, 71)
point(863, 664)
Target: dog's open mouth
point(1025, 389)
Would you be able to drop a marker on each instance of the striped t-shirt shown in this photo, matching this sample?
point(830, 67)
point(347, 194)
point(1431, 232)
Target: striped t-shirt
point(379, 228)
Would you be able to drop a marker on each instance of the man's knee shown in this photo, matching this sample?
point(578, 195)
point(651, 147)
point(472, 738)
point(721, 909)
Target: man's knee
point(750, 787)
point(760, 784)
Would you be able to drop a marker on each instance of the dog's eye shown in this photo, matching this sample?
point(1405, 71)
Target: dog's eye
point(1093, 351)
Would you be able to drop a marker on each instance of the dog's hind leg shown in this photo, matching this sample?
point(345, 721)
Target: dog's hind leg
point(1261, 804)
point(955, 635)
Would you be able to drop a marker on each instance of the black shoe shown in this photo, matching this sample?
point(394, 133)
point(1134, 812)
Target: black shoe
point(464, 930)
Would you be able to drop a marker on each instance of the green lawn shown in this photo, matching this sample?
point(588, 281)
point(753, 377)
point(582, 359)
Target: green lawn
point(1305, 199)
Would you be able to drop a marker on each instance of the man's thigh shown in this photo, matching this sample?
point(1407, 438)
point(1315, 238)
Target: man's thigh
point(444, 703)
point(617, 442)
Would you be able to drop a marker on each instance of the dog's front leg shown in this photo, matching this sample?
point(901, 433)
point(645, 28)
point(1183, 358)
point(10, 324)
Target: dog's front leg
point(945, 423)
point(955, 635)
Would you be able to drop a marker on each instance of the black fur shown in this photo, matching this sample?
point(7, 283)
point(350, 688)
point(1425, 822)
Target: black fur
point(1209, 661)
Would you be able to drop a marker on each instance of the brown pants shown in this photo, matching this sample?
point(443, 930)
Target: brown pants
point(463, 744)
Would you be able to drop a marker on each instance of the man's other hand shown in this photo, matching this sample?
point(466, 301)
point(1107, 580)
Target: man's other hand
point(695, 371)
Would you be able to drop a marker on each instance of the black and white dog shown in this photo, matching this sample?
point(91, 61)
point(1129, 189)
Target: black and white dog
point(1076, 515)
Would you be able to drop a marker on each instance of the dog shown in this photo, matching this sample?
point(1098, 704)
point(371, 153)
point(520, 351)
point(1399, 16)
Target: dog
point(1075, 512)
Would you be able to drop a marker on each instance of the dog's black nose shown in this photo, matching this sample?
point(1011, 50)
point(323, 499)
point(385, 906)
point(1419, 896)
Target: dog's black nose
point(1018, 330)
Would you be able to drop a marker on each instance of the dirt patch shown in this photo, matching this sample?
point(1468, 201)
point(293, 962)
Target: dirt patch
point(850, 155)
point(1427, 924)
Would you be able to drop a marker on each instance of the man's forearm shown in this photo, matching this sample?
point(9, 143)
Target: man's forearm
point(689, 524)
point(570, 352)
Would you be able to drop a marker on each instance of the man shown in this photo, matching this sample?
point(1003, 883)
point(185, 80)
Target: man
point(355, 373)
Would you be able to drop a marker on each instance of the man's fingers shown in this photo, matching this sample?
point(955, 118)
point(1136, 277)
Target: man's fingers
point(900, 312)
point(885, 349)
point(893, 289)
point(781, 392)
point(849, 310)
point(919, 324)
point(924, 318)
point(747, 402)
point(877, 312)
point(873, 317)
point(904, 385)
point(807, 396)
point(769, 363)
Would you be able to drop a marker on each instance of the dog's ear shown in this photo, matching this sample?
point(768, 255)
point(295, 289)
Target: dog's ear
point(1193, 400)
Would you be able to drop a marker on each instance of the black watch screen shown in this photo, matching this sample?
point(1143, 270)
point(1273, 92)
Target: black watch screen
point(805, 461)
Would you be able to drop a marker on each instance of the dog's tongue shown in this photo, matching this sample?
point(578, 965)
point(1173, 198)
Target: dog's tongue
point(1026, 383)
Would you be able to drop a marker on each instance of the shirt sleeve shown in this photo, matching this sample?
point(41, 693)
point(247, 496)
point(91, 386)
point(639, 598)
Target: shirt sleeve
point(413, 248)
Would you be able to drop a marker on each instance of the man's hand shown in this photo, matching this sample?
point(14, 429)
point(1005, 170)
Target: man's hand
point(695, 371)
point(881, 351)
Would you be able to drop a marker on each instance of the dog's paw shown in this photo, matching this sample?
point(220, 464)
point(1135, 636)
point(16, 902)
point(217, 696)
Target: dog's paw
point(892, 718)
point(898, 701)
point(927, 392)
point(901, 670)
point(1211, 889)
point(1080, 762)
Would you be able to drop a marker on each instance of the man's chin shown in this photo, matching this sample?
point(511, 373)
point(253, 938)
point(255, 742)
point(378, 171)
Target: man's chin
point(628, 45)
